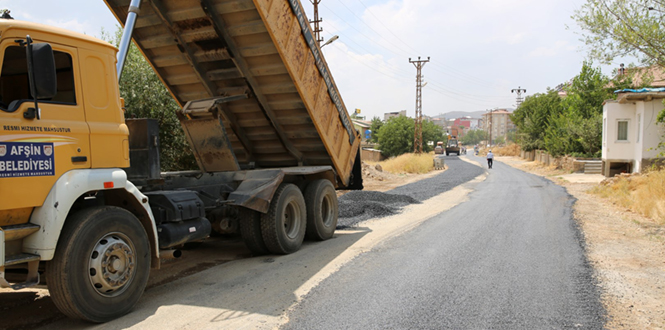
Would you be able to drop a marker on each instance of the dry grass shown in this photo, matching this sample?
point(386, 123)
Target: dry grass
point(644, 194)
point(509, 150)
point(409, 163)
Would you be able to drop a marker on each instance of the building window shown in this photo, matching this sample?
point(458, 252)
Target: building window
point(639, 121)
point(622, 130)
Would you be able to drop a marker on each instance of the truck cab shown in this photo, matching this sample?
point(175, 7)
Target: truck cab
point(63, 144)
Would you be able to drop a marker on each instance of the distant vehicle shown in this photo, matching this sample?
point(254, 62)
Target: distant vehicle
point(452, 147)
point(439, 148)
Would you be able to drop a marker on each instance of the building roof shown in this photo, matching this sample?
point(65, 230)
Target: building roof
point(644, 94)
point(362, 123)
point(642, 74)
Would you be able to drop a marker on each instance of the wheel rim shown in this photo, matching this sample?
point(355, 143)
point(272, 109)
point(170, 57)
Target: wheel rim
point(327, 211)
point(292, 219)
point(111, 265)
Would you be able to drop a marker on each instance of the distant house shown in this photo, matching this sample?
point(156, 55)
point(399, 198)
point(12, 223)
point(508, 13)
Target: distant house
point(363, 128)
point(497, 123)
point(630, 132)
point(654, 76)
point(389, 115)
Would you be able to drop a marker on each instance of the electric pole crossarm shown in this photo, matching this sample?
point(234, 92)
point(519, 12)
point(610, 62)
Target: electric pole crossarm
point(317, 29)
point(519, 91)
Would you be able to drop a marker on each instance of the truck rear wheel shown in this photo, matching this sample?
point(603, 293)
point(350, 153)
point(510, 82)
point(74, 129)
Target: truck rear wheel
point(101, 265)
point(322, 210)
point(250, 230)
point(283, 227)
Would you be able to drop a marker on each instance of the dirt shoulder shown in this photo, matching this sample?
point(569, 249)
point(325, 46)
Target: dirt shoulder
point(626, 249)
point(378, 180)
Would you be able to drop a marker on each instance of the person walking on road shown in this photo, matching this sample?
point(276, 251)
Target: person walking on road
point(490, 159)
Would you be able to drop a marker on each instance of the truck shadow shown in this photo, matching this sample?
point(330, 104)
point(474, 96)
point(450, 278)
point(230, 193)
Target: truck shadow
point(219, 282)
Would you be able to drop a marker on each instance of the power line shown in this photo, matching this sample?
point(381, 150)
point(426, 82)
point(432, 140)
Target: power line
point(448, 70)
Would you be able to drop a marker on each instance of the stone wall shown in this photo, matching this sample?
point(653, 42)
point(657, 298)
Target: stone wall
point(371, 155)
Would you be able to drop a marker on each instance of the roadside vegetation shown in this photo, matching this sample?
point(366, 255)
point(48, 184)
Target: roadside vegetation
point(644, 194)
point(508, 150)
point(395, 136)
point(615, 29)
point(408, 163)
point(567, 120)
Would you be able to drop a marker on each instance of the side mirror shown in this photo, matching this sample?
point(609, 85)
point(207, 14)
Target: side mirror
point(41, 68)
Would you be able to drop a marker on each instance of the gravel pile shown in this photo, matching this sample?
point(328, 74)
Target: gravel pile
point(357, 206)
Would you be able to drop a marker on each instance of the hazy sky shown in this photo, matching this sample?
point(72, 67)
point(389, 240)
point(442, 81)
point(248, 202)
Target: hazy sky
point(479, 49)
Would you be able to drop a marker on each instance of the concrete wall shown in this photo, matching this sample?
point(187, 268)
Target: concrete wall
point(613, 112)
point(651, 132)
point(371, 155)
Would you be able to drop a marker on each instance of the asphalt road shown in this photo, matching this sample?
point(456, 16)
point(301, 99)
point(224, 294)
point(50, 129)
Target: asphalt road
point(511, 257)
point(357, 206)
point(498, 253)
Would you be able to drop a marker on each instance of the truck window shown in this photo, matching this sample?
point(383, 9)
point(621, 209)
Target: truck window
point(14, 85)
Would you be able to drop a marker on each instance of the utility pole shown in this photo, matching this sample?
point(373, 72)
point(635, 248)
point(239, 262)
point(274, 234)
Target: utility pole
point(316, 21)
point(519, 91)
point(489, 125)
point(418, 132)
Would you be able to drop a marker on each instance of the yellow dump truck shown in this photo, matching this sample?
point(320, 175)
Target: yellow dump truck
point(84, 208)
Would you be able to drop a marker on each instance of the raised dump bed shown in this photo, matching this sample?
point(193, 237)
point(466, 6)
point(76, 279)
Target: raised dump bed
point(273, 94)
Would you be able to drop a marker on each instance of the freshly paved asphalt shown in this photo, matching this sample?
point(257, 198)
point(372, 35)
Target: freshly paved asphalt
point(511, 257)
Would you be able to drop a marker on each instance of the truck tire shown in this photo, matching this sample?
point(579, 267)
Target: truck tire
point(101, 264)
point(283, 227)
point(322, 210)
point(250, 230)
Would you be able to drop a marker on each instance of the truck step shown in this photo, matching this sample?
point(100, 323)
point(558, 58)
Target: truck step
point(20, 258)
point(31, 279)
point(14, 232)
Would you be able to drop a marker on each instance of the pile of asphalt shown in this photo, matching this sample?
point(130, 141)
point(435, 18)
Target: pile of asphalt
point(357, 206)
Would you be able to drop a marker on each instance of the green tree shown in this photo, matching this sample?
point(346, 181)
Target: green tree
point(473, 136)
point(146, 97)
point(618, 28)
point(375, 127)
point(587, 92)
point(577, 128)
point(396, 136)
point(431, 133)
point(510, 136)
point(532, 118)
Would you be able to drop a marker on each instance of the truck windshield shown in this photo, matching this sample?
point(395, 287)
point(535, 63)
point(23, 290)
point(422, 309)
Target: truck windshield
point(15, 86)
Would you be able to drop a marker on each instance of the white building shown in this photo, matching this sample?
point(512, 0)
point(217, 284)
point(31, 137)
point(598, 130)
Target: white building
point(631, 133)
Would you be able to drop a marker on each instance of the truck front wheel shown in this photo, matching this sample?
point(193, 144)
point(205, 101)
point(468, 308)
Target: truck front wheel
point(322, 210)
point(101, 264)
point(283, 227)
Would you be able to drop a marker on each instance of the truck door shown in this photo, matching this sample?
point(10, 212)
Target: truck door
point(34, 152)
point(109, 142)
